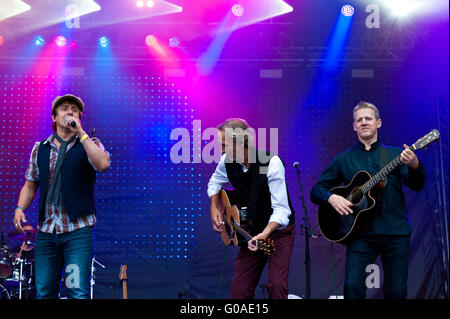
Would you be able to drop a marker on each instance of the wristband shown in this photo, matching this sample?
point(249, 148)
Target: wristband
point(85, 136)
point(17, 207)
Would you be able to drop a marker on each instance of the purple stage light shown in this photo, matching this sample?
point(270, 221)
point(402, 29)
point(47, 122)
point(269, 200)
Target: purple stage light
point(174, 42)
point(347, 10)
point(60, 41)
point(238, 10)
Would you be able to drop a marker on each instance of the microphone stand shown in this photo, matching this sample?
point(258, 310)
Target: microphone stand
point(307, 231)
point(92, 282)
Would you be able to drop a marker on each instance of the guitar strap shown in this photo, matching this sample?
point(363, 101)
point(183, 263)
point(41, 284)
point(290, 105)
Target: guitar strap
point(383, 161)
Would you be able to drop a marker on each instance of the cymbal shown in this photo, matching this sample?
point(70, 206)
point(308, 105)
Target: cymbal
point(29, 234)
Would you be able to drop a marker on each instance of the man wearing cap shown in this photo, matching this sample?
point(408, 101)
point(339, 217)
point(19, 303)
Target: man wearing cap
point(63, 167)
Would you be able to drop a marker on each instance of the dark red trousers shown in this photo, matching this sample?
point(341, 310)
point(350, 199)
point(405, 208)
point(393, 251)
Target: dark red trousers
point(250, 265)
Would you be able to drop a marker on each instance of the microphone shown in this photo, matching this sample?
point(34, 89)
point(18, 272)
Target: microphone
point(71, 122)
point(296, 164)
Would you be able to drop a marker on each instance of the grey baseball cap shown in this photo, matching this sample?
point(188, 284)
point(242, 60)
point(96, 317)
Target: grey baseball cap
point(68, 98)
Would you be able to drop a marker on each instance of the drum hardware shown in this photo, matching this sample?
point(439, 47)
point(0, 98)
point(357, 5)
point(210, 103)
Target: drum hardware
point(16, 265)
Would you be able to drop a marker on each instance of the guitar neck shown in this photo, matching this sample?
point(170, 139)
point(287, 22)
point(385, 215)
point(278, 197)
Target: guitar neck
point(124, 289)
point(381, 174)
point(242, 231)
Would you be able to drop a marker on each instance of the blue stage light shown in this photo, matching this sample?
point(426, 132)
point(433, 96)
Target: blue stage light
point(103, 42)
point(39, 41)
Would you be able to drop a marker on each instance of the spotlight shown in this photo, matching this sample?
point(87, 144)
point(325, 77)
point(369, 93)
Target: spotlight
point(73, 44)
point(174, 42)
point(140, 4)
point(238, 10)
point(103, 42)
point(1, 41)
point(60, 41)
point(150, 40)
point(150, 3)
point(402, 8)
point(39, 40)
point(347, 10)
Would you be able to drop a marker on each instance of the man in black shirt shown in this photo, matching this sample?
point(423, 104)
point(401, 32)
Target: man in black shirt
point(388, 234)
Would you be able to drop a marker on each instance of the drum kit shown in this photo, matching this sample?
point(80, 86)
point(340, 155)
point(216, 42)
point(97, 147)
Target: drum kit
point(16, 265)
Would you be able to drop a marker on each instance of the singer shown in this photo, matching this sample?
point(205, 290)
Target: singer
point(270, 213)
point(63, 167)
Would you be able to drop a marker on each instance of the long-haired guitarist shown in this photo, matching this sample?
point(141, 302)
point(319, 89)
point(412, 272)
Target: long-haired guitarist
point(388, 233)
point(259, 183)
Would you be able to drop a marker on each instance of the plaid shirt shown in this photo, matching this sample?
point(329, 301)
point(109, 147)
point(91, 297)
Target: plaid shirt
point(56, 219)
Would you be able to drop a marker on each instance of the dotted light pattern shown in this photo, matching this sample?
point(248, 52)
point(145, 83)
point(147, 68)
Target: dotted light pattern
point(347, 10)
point(238, 10)
point(147, 206)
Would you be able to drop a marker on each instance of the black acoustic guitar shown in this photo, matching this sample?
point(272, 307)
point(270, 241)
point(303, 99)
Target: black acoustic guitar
point(363, 192)
point(233, 227)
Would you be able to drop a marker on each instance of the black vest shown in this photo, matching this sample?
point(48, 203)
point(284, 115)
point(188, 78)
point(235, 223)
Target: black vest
point(77, 181)
point(252, 189)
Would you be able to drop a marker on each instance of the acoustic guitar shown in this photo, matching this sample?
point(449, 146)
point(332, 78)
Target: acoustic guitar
point(362, 191)
point(233, 227)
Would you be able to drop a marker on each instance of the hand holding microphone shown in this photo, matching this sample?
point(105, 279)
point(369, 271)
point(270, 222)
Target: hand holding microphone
point(69, 122)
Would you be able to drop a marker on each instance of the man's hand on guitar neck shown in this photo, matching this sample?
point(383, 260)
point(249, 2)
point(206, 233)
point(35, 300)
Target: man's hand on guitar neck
point(253, 243)
point(217, 213)
point(408, 158)
point(340, 204)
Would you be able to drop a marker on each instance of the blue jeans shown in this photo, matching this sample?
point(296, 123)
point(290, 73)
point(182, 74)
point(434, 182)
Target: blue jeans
point(54, 251)
point(394, 252)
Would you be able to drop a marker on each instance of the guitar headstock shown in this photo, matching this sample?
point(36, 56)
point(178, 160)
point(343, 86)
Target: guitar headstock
point(423, 142)
point(266, 246)
point(123, 272)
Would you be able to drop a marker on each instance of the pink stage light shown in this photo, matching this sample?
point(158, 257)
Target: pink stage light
point(150, 40)
point(238, 10)
point(1, 41)
point(60, 41)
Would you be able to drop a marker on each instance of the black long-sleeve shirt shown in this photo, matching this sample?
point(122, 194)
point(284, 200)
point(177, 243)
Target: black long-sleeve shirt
point(393, 220)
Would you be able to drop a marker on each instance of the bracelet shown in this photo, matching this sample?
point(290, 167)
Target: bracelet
point(17, 207)
point(85, 136)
